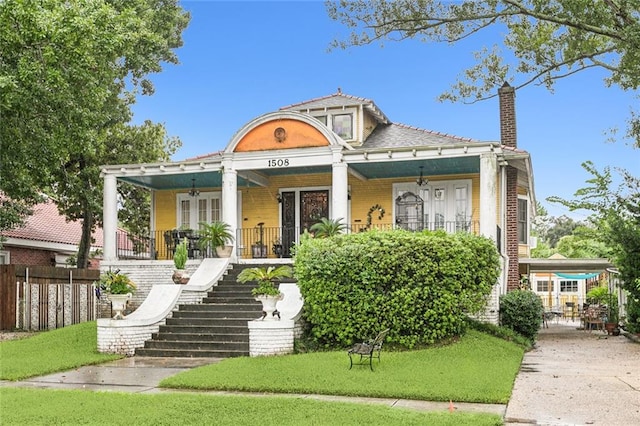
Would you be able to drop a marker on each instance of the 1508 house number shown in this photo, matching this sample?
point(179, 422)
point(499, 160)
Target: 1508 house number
point(280, 162)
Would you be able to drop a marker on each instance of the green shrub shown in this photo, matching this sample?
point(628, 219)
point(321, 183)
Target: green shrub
point(521, 311)
point(632, 320)
point(420, 285)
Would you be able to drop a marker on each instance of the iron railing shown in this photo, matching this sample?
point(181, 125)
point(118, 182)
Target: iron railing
point(256, 242)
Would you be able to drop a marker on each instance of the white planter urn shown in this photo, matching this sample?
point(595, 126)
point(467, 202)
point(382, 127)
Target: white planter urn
point(269, 305)
point(180, 276)
point(119, 303)
point(224, 251)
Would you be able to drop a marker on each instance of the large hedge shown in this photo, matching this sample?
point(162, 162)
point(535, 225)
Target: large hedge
point(419, 284)
point(521, 311)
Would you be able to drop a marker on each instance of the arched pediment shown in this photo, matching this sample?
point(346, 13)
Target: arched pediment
point(282, 130)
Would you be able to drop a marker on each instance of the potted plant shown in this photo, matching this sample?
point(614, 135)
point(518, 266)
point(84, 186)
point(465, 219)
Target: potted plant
point(118, 288)
point(215, 236)
point(267, 291)
point(258, 250)
point(180, 275)
point(612, 324)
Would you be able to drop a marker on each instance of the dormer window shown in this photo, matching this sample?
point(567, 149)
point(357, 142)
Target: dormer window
point(343, 125)
point(342, 122)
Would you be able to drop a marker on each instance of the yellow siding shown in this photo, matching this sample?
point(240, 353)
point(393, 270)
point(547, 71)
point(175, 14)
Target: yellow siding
point(369, 125)
point(165, 208)
point(261, 205)
point(364, 195)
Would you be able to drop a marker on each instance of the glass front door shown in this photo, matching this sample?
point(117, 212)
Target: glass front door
point(314, 205)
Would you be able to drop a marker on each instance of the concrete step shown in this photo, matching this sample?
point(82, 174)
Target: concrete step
point(212, 322)
point(201, 337)
point(197, 345)
point(223, 313)
point(177, 353)
point(216, 328)
point(205, 330)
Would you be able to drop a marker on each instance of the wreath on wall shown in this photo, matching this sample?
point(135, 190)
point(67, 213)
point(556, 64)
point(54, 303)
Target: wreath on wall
point(379, 209)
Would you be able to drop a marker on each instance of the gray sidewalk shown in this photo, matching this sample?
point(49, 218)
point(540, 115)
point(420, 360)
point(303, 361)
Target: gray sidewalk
point(575, 377)
point(572, 377)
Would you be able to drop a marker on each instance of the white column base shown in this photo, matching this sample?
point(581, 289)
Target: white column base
point(270, 337)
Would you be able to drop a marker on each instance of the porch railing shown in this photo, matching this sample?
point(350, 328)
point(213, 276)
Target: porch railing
point(256, 242)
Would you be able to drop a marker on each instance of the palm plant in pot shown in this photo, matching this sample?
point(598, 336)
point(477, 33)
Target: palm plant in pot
point(267, 290)
point(180, 275)
point(119, 289)
point(215, 236)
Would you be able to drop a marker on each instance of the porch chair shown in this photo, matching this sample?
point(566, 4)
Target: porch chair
point(169, 243)
point(569, 310)
point(369, 349)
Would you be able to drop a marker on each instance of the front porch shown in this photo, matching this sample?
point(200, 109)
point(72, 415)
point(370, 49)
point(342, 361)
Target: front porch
point(258, 242)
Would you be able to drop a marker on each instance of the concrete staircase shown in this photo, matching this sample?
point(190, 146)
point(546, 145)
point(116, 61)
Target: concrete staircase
point(216, 328)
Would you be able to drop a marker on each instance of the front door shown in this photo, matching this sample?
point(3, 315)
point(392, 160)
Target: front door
point(314, 205)
point(288, 223)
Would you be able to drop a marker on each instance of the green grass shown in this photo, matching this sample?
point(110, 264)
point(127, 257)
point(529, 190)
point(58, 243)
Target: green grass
point(478, 368)
point(51, 351)
point(46, 407)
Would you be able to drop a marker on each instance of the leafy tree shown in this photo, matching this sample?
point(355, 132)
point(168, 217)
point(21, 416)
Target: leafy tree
point(549, 40)
point(616, 214)
point(69, 73)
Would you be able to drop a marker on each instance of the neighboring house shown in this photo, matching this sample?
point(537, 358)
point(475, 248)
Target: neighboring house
point(46, 239)
point(559, 280)
point(340, 157)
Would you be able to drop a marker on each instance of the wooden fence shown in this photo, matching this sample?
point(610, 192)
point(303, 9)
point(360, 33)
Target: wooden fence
point(44, 298)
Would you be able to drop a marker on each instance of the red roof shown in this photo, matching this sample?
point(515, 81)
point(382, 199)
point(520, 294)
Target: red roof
point(47, 224)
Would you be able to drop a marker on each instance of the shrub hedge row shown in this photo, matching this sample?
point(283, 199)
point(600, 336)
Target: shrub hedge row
point(421, 285)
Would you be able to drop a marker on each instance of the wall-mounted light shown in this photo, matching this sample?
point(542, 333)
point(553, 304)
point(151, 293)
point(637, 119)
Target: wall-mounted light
point(421, 180)
point(193, 191)
point(279, 198)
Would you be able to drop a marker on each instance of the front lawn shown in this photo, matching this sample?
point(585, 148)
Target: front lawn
point(54, 407)
point(52, 351)
point(477, 368)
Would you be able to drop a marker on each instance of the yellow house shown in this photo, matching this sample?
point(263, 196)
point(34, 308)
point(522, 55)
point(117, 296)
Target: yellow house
point(338, 157)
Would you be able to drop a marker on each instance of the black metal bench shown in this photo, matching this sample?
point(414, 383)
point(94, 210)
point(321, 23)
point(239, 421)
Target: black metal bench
point(369, 349)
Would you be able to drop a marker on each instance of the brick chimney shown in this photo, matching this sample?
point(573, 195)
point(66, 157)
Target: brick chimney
point(507, 96)
point(508, 138)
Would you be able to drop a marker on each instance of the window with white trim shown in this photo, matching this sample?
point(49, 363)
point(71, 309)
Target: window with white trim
point(447, 204)
point(342, 121)
point(523, 221)
point(342, 124)
point(206, 207)
point(544, 285)
point(568, 286)
point(5, 258)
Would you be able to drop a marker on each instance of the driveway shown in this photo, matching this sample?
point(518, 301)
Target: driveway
point(575, 377)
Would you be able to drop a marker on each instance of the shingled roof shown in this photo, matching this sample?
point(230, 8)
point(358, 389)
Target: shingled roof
point(386, 134)
point(339, 99)
point(401, 136)
point(48, 225)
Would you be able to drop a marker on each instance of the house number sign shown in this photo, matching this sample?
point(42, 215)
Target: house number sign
point(279, 162)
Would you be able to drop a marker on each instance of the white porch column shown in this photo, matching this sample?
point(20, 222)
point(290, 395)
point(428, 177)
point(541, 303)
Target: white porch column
point(488, 195)
point(339, 187)
point(230, 199)
point(109, 217)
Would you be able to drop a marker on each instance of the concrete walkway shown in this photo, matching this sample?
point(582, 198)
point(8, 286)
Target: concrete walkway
point(575, 377)
point(572, 377)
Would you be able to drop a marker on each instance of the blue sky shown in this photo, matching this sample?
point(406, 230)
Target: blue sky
point(243, 59)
